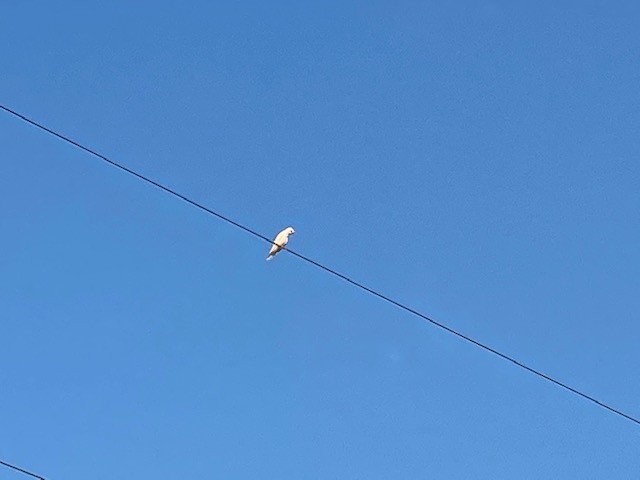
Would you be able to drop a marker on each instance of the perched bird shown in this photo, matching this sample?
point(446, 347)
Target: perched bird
point(280, 241)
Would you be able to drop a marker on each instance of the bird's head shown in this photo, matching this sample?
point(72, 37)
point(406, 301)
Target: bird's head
point(290, 231)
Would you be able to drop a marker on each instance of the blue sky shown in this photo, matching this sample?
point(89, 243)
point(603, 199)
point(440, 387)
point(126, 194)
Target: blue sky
point(477, 161)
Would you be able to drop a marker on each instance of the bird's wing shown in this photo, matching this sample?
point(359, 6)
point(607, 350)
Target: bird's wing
point(281, 238)
point(274, 250)
point(277, 243)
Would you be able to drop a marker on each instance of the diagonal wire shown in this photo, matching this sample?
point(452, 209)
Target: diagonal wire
point(330, 270)
point(21, 470)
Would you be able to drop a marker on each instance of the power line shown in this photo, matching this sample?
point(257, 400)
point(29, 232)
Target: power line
point(21, 470)
point(328, 270)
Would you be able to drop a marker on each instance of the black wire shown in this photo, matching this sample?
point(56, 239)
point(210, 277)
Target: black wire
point(135, 174)
point(331, 271)
point(21, 470)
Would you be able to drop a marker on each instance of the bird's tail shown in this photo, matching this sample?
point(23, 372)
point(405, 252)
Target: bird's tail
point(269, 257)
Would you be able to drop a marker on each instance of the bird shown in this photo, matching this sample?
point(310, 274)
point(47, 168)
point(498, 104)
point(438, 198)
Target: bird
point(280, 241)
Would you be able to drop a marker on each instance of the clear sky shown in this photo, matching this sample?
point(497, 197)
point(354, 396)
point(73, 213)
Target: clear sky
point(478, 162)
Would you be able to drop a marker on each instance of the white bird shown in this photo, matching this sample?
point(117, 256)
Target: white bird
point(280, 241)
